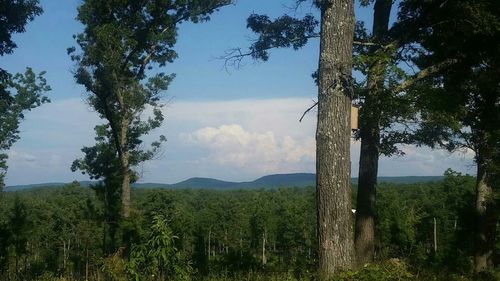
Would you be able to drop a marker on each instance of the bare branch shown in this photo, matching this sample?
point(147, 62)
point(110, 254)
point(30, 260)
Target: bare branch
point(368, 44)
point(233, 57)
point(309, 109)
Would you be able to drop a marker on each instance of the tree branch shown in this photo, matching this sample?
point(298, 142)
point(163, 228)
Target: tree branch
point(309, 109)
point(233, 57)
point(425, 73)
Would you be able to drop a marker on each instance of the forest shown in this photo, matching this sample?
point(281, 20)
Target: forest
point(265, 234)
point(424, 74)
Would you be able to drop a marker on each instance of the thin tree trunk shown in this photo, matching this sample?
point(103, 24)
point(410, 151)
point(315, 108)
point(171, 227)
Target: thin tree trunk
point(17, 264)
point(209, 238)
point(435, 237)
point(125, 166)
point(364, 240)
point(64, 255)
point(487, 217)
point(226, 243)
point(87, 264)
point(333, 134)
point(241, 247)
point(264, 239)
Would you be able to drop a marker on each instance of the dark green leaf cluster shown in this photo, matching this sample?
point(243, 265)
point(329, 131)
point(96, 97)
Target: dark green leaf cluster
point(14, 17)
point(461, 107)
point(283, 32)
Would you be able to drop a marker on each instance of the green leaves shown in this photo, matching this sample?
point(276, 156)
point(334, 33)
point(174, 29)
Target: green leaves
point(15, 15)
point(158, 258)
point(18, 93)
point(283, 32)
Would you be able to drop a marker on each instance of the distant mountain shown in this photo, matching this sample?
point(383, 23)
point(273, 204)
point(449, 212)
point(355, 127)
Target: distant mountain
point(292, 180)
point(29, 186)
point(409, 179)
point(204, 183)
point(270, 181)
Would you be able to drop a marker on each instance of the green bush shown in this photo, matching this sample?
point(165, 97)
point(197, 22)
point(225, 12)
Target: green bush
point(158, 258)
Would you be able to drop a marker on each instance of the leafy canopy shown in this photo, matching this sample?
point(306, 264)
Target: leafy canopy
point(20, 92)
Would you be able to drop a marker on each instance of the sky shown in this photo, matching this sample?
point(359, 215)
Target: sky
point(229, 124)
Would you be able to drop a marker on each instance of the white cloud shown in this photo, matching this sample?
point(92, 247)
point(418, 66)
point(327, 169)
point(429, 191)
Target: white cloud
point(280, 116)
point(20, 156)
point(423, 161)
point(232, 145)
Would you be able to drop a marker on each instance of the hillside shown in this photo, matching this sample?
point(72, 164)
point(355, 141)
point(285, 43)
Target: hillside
point(269, 181)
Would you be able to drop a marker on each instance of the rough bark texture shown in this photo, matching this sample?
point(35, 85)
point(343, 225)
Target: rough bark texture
point(370, 142)
point(333, 165)
point(125, 166)
point(487, 216)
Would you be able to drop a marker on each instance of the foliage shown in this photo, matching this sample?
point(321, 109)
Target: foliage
point(158, 258)
point(24, 92)
point(461, 105)
point(20, 92)
point(170, 230)
point(121, 42)
point(15, 15)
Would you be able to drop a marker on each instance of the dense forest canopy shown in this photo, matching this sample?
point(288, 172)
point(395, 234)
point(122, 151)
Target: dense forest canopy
point(60, 231)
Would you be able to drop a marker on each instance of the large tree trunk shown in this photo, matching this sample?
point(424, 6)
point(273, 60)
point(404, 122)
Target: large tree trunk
point(487, 214)
point(364, 240)
point(333, 165)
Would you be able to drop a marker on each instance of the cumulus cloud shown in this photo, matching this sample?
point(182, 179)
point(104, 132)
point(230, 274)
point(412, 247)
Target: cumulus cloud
point(232, 145)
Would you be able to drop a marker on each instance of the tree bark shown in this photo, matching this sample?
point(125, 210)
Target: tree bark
point(209, 238)
point(264, 239)
point(435, 237)
point(333, 134)
point(487, 215)
point(125, 167)
point(364, 240)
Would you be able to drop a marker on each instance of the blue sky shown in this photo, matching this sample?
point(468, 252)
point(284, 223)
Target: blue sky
point(236, 125)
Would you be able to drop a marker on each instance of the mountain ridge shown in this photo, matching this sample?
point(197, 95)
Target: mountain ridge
point(268, 181)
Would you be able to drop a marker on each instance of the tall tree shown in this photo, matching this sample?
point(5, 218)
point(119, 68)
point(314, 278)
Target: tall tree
point(375, 56)
point(20, 92)
point(369, 133)
point(333, 137)
point(122, 40)
point(385, 108)
point(333, 133)
point(461, 107)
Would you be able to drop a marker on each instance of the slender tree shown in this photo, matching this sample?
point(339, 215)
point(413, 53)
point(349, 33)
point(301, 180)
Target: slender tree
point(369, 133)
point(121, 41)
